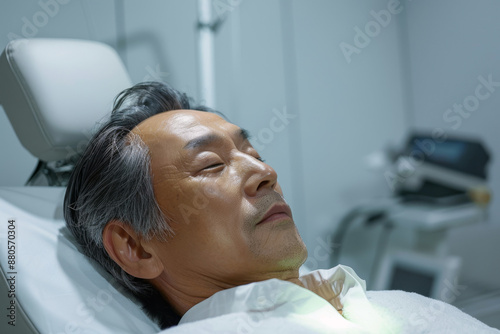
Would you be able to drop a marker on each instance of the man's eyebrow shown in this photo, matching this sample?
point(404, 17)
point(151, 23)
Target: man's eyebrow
point(244, 134)
point(210, 138)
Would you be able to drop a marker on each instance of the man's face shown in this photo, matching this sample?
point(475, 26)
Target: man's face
point(224, 204)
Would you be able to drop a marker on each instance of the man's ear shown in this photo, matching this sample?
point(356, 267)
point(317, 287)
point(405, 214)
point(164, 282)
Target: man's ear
point(130, 252)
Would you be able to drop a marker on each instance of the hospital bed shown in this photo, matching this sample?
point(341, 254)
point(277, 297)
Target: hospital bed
point(54, 93)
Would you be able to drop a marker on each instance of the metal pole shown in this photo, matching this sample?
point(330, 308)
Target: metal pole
point(206, 59)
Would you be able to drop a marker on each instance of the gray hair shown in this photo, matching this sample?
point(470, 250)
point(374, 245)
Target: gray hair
point(113, 181)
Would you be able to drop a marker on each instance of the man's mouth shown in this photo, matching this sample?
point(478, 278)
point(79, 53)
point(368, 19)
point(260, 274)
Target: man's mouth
point(279, 211)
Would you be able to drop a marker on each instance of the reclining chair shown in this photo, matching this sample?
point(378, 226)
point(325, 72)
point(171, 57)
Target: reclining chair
point(54, 91)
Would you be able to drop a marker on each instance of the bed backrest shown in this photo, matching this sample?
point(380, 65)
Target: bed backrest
point(55, 90)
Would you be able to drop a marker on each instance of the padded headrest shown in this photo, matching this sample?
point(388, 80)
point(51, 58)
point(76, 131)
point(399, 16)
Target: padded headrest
point(55, 90)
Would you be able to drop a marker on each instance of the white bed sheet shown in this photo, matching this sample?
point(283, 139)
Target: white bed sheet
point(56, 286)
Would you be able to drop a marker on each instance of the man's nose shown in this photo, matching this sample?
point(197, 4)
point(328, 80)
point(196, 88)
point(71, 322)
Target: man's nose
point(259, 176)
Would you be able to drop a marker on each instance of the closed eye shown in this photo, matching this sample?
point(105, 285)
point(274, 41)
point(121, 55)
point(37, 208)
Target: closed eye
point(213, 166)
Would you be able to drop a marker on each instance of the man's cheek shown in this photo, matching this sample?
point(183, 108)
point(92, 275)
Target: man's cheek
point(179, 206)
point(214, 192)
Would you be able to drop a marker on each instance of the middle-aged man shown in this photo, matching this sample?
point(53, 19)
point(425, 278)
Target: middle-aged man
point(180, 208)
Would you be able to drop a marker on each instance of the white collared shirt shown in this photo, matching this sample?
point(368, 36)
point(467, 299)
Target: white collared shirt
point(276, 306)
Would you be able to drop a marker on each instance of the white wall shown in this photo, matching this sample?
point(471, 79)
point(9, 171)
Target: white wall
point(452, 43)
point(271, 56)
point(347, 110)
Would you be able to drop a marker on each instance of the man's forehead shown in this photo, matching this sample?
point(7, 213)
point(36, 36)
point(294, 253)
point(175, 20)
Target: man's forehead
point(175, 123)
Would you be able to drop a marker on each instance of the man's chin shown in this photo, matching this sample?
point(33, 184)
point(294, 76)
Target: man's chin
point(294, 256)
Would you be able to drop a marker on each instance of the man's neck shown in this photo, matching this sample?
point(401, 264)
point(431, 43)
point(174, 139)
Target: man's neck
point(185, 291)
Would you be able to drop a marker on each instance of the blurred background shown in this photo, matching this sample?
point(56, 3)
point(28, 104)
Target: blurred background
point(331, 90)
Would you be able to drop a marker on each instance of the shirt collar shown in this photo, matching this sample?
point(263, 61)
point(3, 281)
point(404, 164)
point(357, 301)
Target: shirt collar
point(271, 294)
